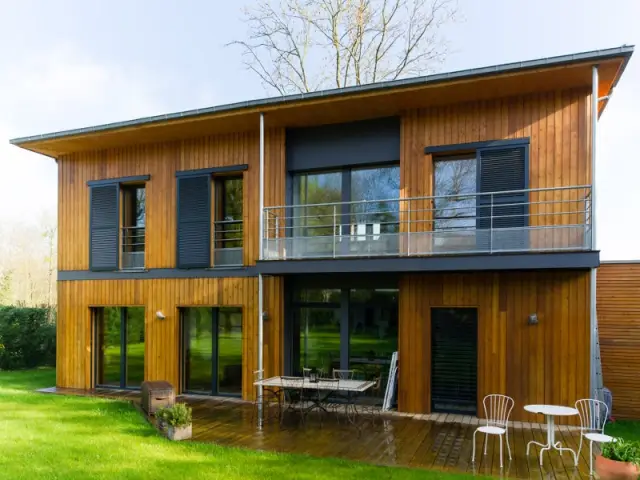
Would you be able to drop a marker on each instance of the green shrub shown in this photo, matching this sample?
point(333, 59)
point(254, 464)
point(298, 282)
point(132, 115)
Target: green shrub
point(27, 338)
point(622, 451)
point(177, 416)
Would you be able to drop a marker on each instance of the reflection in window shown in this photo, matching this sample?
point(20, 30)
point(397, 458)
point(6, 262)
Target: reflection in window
point(455, 179)
point(119, 346)
point(319, 338)
point(375, 216)
point(312, 189)
point(455, 203)
point(133, 226)
point(373, 326)
point(228, 226)
point(212, 350)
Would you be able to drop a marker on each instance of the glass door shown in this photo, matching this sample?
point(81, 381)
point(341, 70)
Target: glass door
point(212, 350)
point(119, 346)
point(198, 352)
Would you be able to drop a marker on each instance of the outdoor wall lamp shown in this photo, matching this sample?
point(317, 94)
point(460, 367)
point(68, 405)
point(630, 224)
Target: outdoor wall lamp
point(533, 319)
point(160, 315)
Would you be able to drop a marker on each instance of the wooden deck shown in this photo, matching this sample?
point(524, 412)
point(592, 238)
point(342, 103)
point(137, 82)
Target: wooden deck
point(437, 441)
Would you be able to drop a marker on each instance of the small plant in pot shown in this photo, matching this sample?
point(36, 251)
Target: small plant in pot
point(176, 420)
point(619, 460)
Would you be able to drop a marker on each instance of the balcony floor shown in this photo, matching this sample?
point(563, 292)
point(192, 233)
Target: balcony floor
point(436, 442)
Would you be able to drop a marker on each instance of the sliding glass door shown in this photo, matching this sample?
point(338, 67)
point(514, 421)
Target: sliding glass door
point(212, 350)
point(344, 328)
point(119, 346)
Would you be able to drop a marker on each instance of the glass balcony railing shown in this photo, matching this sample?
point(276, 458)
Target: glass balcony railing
point(533, 220)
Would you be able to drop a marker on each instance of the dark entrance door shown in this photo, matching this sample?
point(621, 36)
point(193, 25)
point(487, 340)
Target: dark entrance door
point(454, 360)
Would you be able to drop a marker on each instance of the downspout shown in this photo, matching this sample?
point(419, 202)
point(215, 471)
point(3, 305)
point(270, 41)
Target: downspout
point(260, 256)
point(593, 313)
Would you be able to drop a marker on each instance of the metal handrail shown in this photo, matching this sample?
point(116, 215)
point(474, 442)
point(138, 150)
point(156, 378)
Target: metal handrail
point(418, 221)
point(133, 247)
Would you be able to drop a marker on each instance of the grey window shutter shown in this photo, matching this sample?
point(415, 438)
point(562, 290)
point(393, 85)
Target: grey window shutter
point(104, 226)
point(503, 169)
point(194, 222)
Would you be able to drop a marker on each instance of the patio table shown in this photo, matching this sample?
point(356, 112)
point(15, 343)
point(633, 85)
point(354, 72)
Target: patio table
point(349, 386)
point(550, 411)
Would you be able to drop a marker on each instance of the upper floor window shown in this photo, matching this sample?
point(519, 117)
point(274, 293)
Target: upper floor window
point(346, 211)
point(117, 223)
point(228, 223)
point(133, 226)
point(210, 217)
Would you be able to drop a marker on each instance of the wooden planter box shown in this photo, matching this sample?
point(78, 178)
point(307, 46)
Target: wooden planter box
point(156, 395)
point(179, 433)
point(613, 470)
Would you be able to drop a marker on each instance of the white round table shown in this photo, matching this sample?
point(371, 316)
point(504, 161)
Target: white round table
point(551, 411)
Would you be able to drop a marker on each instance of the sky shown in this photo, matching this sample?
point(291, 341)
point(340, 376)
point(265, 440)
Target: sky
point(73, 63)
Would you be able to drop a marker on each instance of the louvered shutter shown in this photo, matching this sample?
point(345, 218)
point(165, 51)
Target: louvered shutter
point(454, 365)
point(194, 222)
point(502, 170)
point(103, 228)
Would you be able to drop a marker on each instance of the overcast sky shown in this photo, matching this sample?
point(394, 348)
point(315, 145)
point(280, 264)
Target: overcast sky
point(74, 63)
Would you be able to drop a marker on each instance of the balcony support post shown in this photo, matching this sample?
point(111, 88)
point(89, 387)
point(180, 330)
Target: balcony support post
point(594, 387)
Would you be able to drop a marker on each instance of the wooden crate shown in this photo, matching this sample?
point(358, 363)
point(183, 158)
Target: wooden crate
point(156, 395)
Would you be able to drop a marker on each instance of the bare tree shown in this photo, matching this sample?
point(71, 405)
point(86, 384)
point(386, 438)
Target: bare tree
point(305, 45)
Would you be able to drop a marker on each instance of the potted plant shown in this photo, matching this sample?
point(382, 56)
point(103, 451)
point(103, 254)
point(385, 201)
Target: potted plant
point(619, 460)
point(176, 420)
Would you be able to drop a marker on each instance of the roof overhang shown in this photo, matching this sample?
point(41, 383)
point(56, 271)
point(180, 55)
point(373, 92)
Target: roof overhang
point(348, 104)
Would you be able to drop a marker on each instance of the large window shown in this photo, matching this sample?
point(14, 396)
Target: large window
point(228, 222)
point(133, 226)
point(455, 203)
point(353, 329)
point(212, 350)
point(119, 346)
point(352, 211)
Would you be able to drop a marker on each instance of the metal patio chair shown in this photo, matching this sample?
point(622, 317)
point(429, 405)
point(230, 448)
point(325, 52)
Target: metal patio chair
point(292, 390)
point(593, 417)
point(497, 409)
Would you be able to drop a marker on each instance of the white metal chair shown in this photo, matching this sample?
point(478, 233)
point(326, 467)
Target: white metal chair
point(593, 417)
point(497, 409)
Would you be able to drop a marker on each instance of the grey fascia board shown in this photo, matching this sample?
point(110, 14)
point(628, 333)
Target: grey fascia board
point(463, 263)
point(594, 56)
point(157, 273)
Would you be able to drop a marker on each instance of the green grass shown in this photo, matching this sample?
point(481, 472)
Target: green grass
point(66, 437)
point(626, 429)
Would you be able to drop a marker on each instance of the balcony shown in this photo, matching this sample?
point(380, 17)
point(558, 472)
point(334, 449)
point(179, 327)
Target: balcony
point(227, 245)
point(518, 221)
point(132, 256)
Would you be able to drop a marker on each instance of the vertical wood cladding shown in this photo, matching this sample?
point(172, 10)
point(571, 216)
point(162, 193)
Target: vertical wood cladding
point(74, 353)
point(161, 161)
point(543, 363)
point(618, 295)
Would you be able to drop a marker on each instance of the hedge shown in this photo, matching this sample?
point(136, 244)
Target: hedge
point(27, 338)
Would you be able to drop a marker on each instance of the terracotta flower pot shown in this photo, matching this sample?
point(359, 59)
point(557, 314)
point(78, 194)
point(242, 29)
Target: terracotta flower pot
point(179, 433)
point(614, 470)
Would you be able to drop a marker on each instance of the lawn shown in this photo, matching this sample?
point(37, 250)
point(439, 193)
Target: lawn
point(51, 436)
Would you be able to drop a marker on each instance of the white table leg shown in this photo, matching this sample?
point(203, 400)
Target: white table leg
point(551, 441)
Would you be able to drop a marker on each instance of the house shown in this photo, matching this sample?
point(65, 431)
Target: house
point(449, 217)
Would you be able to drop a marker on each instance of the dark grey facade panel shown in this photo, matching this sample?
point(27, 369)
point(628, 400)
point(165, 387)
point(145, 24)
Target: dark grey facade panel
point(213, 170)
point(157, 273)
point(112, 181)
point(342, 145)
point(103, 227)
point(194, 222)
point(495, 262)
